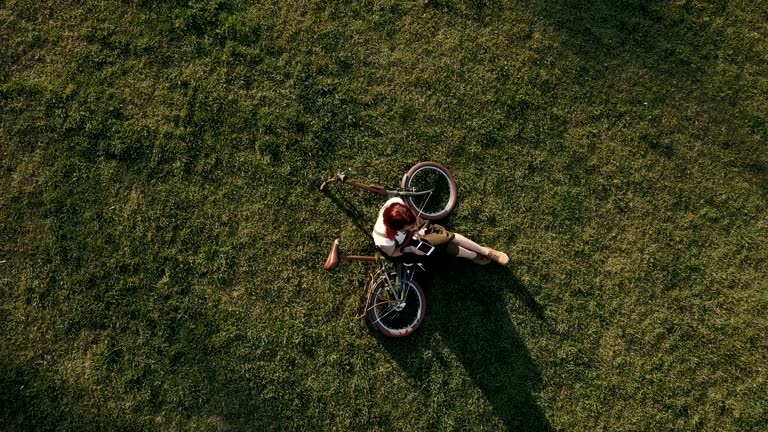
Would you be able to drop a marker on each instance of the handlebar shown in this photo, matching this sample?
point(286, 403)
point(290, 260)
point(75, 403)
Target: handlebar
point(339, 177)
point(325, 184)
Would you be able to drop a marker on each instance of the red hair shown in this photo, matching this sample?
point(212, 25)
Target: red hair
point(396, 217)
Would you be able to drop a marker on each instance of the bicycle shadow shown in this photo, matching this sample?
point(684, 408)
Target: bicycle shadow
point(340, 200)
point(467, 314)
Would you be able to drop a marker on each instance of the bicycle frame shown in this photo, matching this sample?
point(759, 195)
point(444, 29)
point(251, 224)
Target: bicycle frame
point(380, 190)
point(399, 288)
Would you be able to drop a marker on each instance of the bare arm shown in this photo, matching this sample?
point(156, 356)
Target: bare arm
point(396, 252)
point(390, 250)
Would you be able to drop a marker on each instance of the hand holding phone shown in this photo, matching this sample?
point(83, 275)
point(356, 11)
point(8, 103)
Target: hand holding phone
point(425, 247)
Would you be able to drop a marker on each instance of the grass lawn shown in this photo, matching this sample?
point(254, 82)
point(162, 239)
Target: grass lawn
point(162, 234)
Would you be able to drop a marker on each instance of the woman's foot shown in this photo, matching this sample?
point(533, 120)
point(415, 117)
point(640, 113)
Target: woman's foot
point(498, 256)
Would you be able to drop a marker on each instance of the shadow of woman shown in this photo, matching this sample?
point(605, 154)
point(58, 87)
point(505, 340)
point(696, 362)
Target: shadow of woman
point(467, 314)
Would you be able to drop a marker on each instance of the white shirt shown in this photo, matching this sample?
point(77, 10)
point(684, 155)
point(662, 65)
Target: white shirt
point(379, 229)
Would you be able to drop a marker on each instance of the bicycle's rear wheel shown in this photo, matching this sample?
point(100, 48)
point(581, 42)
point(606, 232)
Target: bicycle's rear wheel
point(392, 318)
point(431, 176)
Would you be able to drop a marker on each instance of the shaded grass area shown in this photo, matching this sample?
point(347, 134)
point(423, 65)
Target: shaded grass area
point(162, 232)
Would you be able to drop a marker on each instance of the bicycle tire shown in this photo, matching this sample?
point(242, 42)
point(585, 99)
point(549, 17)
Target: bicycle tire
point(383, 315)
point(431, 175)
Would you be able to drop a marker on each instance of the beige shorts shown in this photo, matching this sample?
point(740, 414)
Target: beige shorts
point(439, 237)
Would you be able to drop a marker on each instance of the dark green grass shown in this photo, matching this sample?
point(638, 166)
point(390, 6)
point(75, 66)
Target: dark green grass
point(162, 233)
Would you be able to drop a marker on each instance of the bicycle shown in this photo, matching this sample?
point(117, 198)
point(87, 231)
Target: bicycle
point(393, 303)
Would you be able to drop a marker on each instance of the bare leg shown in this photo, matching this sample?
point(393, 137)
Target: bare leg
point(466, 253)
point(473, 256)
point(469, 244)
point(465, 243)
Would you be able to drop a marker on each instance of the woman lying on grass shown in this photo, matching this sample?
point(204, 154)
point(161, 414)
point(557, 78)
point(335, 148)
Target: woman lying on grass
point(398, 229)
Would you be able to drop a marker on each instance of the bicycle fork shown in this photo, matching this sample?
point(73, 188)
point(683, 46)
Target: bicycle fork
point(403, 276)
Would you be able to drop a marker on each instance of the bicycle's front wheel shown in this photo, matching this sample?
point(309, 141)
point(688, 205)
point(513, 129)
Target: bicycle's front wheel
point(395, 315)
point(438, 182)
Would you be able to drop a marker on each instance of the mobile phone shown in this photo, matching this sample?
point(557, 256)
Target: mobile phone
point(425, 247)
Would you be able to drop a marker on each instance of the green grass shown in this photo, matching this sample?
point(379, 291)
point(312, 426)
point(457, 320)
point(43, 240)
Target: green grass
point(163, 234)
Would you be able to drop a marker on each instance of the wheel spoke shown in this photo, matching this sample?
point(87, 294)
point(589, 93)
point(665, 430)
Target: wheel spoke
point(396, 315)
point(376, 305)
point(381, 317)
point(433, 180)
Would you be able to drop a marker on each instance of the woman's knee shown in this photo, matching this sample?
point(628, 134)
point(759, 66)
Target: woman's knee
point(452, 248)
